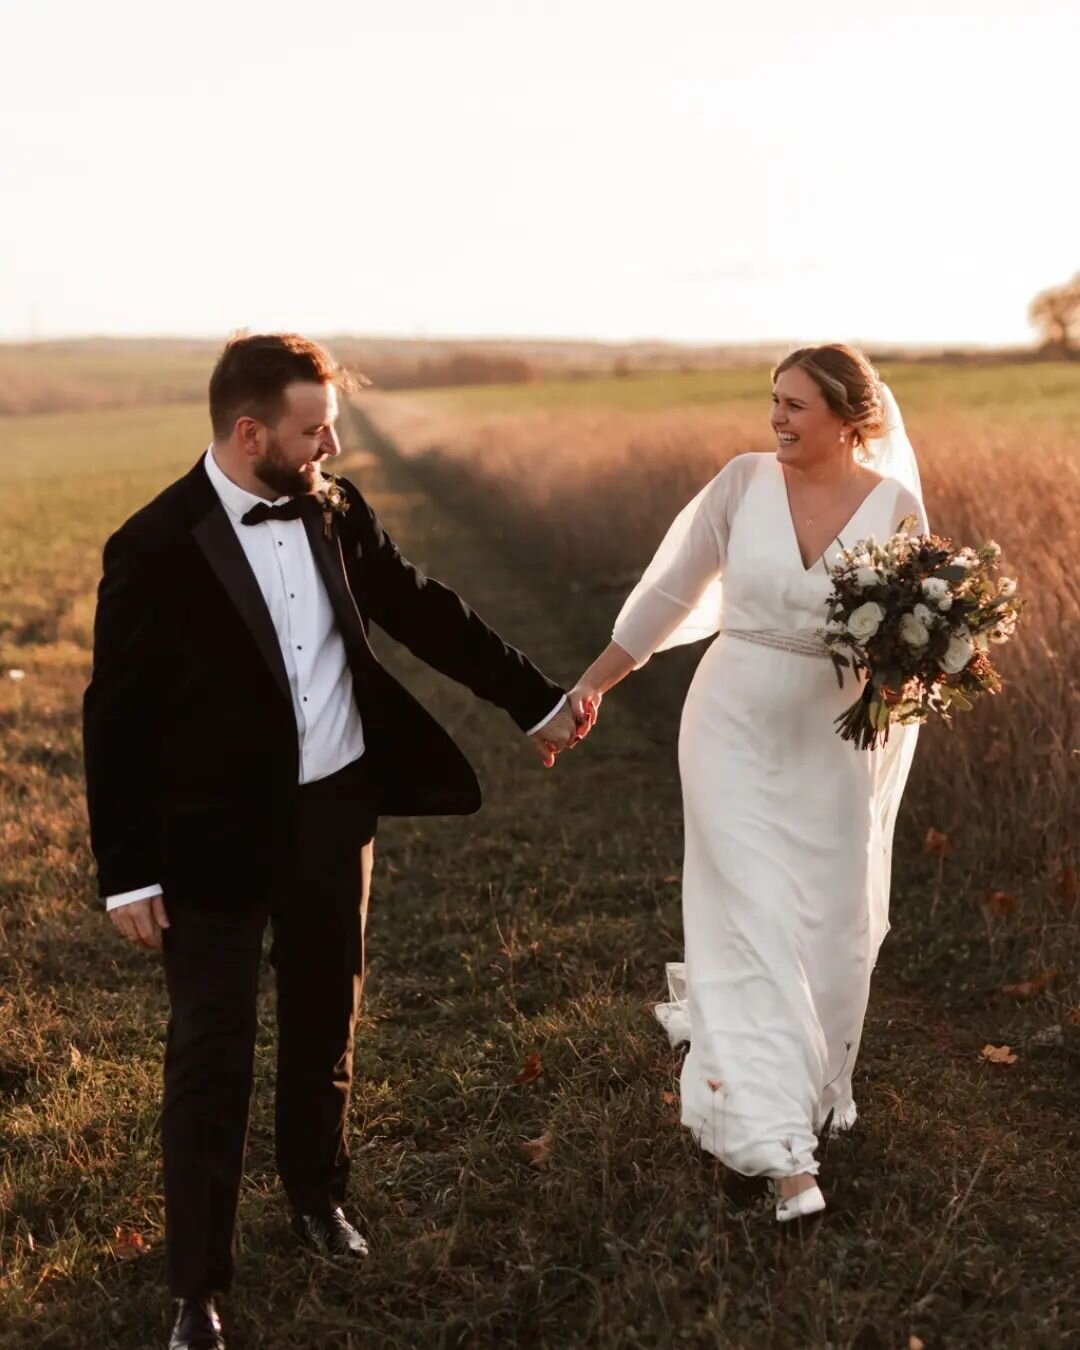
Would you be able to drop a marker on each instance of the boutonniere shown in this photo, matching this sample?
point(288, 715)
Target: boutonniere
point(333, 501)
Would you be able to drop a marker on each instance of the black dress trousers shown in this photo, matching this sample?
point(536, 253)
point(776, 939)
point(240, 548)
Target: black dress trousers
point(317, 912)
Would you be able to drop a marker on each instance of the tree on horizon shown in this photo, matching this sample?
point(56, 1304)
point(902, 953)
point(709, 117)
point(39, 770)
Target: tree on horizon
point(1056, 313)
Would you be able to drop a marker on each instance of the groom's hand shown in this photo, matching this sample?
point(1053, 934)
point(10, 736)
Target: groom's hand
point(555, 735)
point(141, 921)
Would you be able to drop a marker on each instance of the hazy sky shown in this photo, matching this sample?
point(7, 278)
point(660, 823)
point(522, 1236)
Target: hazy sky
point(691, 169)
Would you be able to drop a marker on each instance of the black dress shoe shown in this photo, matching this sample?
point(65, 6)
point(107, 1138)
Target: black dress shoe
point(197, 1326)
point(330, 1233)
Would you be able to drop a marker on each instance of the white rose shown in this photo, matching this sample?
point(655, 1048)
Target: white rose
point(913, 631)
point(865, 577)
point(1007, 586)
point(958, 653)
point(924, 615)
point(935, 589)
point(865, 621)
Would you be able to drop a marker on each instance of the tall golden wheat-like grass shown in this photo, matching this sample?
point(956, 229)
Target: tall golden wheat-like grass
point(588, 493)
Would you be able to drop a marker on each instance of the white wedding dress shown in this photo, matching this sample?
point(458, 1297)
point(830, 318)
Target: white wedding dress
point(789, 829)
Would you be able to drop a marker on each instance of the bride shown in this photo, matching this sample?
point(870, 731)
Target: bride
point(788, 828)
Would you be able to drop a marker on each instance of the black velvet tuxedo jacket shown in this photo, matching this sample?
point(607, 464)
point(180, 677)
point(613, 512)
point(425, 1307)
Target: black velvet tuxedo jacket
point(192, 753)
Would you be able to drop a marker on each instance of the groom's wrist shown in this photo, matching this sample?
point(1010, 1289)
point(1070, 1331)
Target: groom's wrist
point(545, 720)
point(129, 897)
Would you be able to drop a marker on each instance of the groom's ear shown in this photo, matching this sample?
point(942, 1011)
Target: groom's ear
point(249, 434)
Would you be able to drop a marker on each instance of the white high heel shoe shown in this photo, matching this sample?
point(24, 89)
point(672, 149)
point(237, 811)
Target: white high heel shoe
point(798, 1206)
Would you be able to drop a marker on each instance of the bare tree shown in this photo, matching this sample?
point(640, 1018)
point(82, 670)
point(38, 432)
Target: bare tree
point(1056, 313)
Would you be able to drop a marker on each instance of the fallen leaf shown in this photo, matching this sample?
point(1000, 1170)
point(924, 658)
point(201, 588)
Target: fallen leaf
point(1069, 886)
point(1030, 988)
point(938, 845)
point(670, 880)
point(51, 1271)
point(538, 1151)
point(998, 1054)
point(129, 1244)
point(1073, 1018)
point(668, 1098)
point(1025, 989)
point(531, 1069)
point(914, 1343)
point(76, 1057)
point(1000, 903)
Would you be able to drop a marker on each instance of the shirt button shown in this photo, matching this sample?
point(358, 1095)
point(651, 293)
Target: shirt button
point(292, 595)
point(305, 698)
point(299, 648)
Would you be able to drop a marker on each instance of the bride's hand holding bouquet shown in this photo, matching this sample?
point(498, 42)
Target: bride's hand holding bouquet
point(916, 617)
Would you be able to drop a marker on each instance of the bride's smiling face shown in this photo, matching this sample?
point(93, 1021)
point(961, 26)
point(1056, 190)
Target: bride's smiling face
point(807, 430)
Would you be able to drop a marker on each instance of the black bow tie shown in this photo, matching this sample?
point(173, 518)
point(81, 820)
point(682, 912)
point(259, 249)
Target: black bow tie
point(289, 510)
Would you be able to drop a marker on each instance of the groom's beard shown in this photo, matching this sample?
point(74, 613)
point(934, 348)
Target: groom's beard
point(280, 476)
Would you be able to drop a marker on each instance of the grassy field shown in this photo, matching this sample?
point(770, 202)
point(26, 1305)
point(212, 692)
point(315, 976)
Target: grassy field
point(1043, 391)
point(53, 376)
point(586, 476)
point(568, 1209)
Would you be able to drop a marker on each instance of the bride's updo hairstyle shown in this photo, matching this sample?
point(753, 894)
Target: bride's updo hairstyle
point(850, 384)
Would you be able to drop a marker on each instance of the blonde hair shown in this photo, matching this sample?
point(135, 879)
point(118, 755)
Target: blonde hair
point(849, 383)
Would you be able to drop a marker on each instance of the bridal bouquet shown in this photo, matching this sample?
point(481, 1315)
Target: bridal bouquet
point(917, 617)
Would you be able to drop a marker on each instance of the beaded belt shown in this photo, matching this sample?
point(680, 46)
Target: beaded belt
point(807, 643)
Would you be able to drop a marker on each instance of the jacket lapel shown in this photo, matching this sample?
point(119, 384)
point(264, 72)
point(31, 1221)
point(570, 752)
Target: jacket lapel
point(331, 565)
point(216, 537)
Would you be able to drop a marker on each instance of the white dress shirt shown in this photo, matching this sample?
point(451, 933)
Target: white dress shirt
point(328, 724)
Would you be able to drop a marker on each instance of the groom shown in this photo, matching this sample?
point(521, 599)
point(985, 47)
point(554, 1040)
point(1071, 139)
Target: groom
point(241, 741)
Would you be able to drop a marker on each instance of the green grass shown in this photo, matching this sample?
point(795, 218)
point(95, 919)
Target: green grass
point(1035, 391)
point(51, 376)
point(146, 440)
point(70, 479)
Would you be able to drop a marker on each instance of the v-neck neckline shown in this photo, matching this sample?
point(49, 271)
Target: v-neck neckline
point(807, 568)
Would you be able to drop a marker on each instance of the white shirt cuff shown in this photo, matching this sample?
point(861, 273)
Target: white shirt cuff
point(545, 720)
point(129, 897)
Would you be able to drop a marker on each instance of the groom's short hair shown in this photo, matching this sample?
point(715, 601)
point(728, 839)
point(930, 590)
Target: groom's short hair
point(253, 371)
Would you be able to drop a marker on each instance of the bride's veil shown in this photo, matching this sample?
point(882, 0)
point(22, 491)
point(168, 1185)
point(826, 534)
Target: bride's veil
point(891, 454)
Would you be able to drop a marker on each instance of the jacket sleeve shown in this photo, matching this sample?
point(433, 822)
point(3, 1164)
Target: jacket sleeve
point(440, 628)
point(121, 714)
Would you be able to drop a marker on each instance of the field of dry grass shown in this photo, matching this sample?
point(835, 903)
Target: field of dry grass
point(586, 478)
point(562, 1208)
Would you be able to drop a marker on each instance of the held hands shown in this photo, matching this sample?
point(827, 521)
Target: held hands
point(571, 724)
point(558, 734)
point(584, 700)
